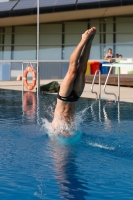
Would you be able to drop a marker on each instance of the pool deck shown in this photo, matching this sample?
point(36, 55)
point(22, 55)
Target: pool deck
point(126, 93)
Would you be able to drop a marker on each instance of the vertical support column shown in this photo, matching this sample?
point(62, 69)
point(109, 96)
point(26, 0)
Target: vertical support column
point(88, 24)
point(22, 77)
point(22, 87)
point(100, 39)
point(12, 42)
point(119, 119)
point(99, 110)
point(3, 42)
point(38, 69)
point(99, 85)
point(104, 37)
point(63, 40)
point(114, 36)
point(118, 84)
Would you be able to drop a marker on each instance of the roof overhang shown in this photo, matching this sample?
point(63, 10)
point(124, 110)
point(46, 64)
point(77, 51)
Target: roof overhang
point(67, 15)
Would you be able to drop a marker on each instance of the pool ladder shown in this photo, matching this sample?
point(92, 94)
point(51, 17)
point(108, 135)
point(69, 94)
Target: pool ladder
point(108, 93)
point(96, 72)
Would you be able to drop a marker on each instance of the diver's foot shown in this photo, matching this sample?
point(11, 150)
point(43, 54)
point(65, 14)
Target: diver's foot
point(89, 34)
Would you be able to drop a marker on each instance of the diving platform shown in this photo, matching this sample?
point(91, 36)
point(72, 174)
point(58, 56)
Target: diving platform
point(125, 79)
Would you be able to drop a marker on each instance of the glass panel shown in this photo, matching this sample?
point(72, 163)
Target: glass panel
point(95, 52)
point(109, 43)
point(106, 36)
point(50, 53)
point(125, 19)
point(7, 53)
point(25, 29)
point(50, 39)
point(120, 38)
point(95, 22)
point(0, 52)
point(124, 27)
point(126, 50)
point(50, 28)
point(72, 39)
point(25, 39)
point(5, 71)
point(50, 42)
point(24, 35)
point(73, 34)
point(124, 45)
point(0, 37)
point(124, 36)
point(95, 49)
point(68, 51)
point(76, 27)
point(24, 53)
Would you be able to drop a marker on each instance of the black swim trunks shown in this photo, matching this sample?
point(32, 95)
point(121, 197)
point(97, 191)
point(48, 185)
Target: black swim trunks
point(71, 98)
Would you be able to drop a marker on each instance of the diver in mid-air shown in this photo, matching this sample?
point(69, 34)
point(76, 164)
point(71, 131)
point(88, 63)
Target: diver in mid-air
point(73, 84)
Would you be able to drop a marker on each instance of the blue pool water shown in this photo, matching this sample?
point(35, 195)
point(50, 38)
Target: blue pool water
point(96, 163)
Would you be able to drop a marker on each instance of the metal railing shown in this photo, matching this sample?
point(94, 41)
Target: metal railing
point(97, 71)
point(49, 69)
point(109, 93)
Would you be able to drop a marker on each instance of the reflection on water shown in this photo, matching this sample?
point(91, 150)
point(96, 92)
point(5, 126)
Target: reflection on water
point(70, 184)
point(29, 103)
point(97, 163)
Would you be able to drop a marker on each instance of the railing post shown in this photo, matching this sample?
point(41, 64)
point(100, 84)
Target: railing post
point(99, 84)
point(109, 93)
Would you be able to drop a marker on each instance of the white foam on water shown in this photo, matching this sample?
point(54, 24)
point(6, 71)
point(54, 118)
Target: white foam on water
point(101, 146)
point(73, 132)
point(61, 126)
point(64, 132)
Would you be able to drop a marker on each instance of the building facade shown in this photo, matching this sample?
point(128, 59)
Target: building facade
point(61, 26)
point(58, 40)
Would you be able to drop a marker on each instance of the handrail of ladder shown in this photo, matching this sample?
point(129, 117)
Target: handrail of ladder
point(109, 93)
point(99, 84)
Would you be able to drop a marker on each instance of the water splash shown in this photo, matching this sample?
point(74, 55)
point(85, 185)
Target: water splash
point(101, 146)
point(65, 133)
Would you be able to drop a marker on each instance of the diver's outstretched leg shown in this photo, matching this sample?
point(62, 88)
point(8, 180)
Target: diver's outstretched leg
point(79, 55)
point(79, 82)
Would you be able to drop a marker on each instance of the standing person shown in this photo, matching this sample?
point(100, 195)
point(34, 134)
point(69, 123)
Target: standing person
point(109, 55)
point(73, 84)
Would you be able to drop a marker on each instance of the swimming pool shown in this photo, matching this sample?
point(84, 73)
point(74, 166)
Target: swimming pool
point(98, 164)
